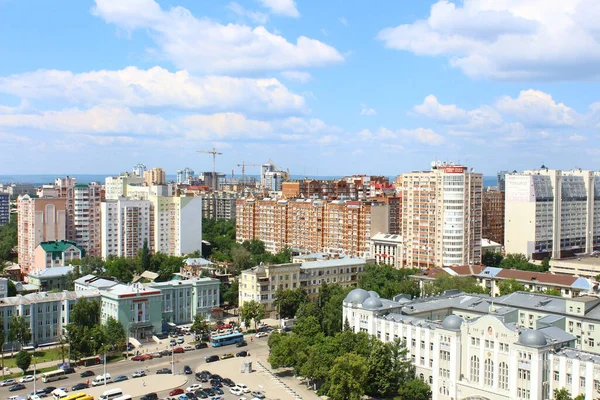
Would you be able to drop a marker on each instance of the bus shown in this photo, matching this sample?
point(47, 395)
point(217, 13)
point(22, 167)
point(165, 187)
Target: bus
point(87, 397)
point(53, 376)
point(224, 340)
point(124, 397)
point(89, 361)
point(74, 396)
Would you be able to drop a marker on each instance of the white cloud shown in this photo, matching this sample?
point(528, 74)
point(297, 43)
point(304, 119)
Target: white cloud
point(313, 125)
point(366, 111)
point(286, 8)
point(201, 44)
point(511, 39)
point(297, 76)
point(577, 138)
point(155, 87)
point(343, 21)
point(480, 118)
point(99, 119)
point(254, 16)
point(327, 139)
point(536, 108)
point(9, 138)
point(24, 106)
point(224, 126)
point(422, 135)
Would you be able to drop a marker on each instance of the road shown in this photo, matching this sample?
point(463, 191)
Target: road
point(195, 359)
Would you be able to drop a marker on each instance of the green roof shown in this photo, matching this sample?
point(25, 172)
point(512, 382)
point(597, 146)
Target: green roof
point(57, 247)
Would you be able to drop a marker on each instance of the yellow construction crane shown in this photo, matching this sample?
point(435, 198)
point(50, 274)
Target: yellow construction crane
point(285, 174)
point(244, 165)
point(214, 154)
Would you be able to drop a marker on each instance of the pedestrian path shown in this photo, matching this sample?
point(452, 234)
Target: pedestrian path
point(279, 381)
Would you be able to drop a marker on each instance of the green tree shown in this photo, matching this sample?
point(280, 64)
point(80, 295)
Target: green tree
point(251, 310)
point(115, 333)
point(8, 240)
point(242, 259)
point(381, 375)
point(11, 288)
point(86, 313)
point(23, 360)
point(508, 286)
point(200, 324)
point(519, 261)
point(545, 264)
point(467, 284)
point(85, 324)
point(255, 247)
point(414, 389)
point(491, 259)
point(289, 300)
point(166, 265)
point(230, 293)
point(145, 257)
point(2, 341)
point(562, 394)
point(348, 377)
point(19, 330)
point(552, 292)
point(389, 281)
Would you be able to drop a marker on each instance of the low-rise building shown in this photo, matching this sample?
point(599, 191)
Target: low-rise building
point(585, 266)
point(48, 279)
point(488, 246)
point(55, 254)
point(519, 346)
point(260, 283)
point(387, 249)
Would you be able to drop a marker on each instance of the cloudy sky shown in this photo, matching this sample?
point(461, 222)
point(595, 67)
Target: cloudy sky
point(321, 87)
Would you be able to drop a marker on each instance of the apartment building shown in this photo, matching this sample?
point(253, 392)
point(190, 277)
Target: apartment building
point(176, 223)
point(220, 205)
point(356, 187)
point(336, 227)
point(4, 208)
point(493, 216)
point(40, 220)
point(442, 216)
point(86, 217)
point(46, 313)
point(155, 176)
point(387, 249)
point(55, 254)
point(116, 186)
point(519, 346)
point(552, 213)
point(185, 175)
point(125, 225)
point(260, 283)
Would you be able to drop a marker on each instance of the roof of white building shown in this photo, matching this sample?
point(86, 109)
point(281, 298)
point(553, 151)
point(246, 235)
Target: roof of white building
point(53, 272)
point(96, 282)
point(177, 282)
point(198, 262)
point(489, 243)
point(43, 297)
point(334, 262)
point(388, 237)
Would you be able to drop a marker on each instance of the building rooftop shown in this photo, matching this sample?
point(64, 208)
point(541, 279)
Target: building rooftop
point(178, 282)
point(333, 262)
point(198, 262)
point(57, 246)
point(387, 237)
point(459, 270)
point(542, 277)
point(489, 243)
point(43, 297)
point(54, 272)
point(96, 282)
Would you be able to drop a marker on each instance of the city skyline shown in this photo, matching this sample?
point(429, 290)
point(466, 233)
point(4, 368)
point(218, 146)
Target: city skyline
point(322, 89)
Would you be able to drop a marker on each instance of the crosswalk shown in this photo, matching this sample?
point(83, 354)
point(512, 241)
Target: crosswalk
point(275, 378)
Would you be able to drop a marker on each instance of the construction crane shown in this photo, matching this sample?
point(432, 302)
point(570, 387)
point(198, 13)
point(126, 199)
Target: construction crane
point(214, 154)
point(244, 165)
point(285, 174)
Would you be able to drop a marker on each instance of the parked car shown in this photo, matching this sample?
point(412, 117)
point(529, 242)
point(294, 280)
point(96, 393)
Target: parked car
point(16, 386)
point(201, 394)
point(193, 388)
point(120, 378)
point(212, 359)
point(178, 350)
point(164, 371)
point(79, 386)
point(241, 344)
point(162, 336)
point(209, 391)
point(149, 396)
point(87, 373)
point(138, 374)
point(37, 393)
point(187, 370)
point(217, 390)
point(242, 354)
point(69, 370)
point(8, 382)
point(130, 346)
point(166, 352)
point(244, 388)
point(26, 378)
point(215, 383)
point(226, 356)
point(228, 382)
point(236, 391)
point(201, 346)
point(172, 342)
point(257, 394)
point(180, 340)
point(189, 348)
point(157, 354)
point(261, 334)
point(176, 392)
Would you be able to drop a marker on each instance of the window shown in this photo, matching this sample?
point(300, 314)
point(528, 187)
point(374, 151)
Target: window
point(591, 342)
point(582, 381)
point(474, 369)
point(569, 379)
point(524, 374)
point(489, 372)
point(503, 375)
point(556, 376)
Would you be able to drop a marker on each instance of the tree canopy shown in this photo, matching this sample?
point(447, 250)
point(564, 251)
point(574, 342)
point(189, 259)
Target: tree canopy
point(23, 360)
point(443, 282)
point(520, 261)
point(389, 281)
point(491, 259)
point(19, 330)
point(508, 286)
point(288, 301)
point(8, 241)
point(251, 311)
point(200, 325)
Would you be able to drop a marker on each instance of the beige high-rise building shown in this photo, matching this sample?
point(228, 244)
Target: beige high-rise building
point(552, 213)
point(335, 227)
point(441, 216)
point(40, 220)
point(125, 225)
point(86, 217)
point(155, 176)
point(176, 224)
point(116, 186)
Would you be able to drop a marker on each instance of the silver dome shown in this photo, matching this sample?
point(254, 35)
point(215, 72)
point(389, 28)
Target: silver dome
point(533, 338)
point(452, 322)
point(373, 293)
point(372, 303)
point(357, 296)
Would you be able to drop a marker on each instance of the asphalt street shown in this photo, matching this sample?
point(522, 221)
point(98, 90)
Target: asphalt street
point(195, 359)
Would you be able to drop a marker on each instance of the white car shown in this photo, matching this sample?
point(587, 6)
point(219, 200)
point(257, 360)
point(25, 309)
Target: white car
point(236, 390)
point(26, 378)
point(261, 334)
point(8, 382)
point(138, 374)
point(243, 387)
point(193, 388)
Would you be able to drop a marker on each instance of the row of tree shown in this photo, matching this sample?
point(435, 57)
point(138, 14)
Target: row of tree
point(514, 261)
point(346, 365)
point(8, 242)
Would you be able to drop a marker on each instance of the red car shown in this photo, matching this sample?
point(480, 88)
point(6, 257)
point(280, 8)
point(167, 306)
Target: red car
point(176, 392)
point(178, 350)
point(142, 357)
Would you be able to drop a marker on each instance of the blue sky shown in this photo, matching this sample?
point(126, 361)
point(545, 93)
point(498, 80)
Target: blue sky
point(321, 87)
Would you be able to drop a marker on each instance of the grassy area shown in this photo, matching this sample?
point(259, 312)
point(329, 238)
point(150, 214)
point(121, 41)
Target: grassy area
point(30, 372)
point(40, 356)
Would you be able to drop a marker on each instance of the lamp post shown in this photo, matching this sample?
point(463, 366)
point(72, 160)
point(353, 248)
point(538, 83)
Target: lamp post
point(172, 361)
point(34, 376)
point(104, 363)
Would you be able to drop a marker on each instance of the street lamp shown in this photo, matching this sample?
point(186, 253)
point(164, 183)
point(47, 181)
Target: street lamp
point(103, 348)
point(34, 375)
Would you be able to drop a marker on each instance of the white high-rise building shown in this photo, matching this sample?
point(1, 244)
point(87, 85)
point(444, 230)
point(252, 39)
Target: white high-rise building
point(139, 169)
point(86, 217)
point(125, 224)
point(185, 175)
point(177, 224)
point(552, 213)
point(441, 216)
point(116, 186)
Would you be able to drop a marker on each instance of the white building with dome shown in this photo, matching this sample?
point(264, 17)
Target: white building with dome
point(473, 347)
